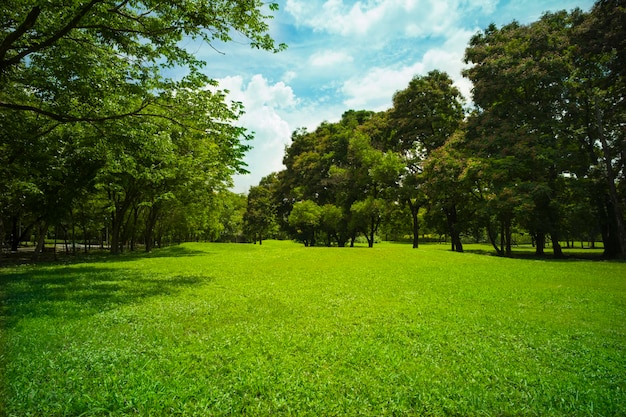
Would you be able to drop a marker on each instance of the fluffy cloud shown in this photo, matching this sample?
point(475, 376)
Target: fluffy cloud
point(374, 90)
point(272, 112)
point(265, 105)
point(329, 58)
point(380, 20)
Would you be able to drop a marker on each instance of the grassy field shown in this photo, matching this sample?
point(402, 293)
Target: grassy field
point(279, 329)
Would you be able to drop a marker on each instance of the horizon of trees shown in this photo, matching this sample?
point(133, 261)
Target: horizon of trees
point(98, 146)
point(541, 151)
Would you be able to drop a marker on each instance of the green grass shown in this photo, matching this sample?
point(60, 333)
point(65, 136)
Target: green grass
point(279, 329)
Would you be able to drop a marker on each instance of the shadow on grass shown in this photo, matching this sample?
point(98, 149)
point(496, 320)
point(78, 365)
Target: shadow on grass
point(79, 291)
point(166, 252)
point(94, 255)
point(576, 255)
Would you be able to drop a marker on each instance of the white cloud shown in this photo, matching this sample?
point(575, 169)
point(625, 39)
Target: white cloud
point(289, 76)
point(376, 20)
point(272, 112)
point(265, 107)
point(329, 58)
point(374, 90)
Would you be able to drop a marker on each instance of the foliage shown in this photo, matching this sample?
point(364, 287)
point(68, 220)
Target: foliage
point(424, 116)
point(539, 123)
point(84, 88)
point(260, 215)
point(104, 59)
point(305, 218)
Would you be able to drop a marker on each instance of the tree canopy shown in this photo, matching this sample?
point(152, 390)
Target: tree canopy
point(93, 117)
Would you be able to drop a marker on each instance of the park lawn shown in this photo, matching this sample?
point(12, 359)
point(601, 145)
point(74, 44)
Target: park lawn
point(279, 329)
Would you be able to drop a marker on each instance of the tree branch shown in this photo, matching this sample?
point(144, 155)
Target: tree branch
point(51, 40)
point(28, 23)
point(66, 118)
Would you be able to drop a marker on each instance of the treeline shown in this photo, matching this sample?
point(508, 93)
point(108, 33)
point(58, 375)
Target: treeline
point(100, 141)
point(540, 151)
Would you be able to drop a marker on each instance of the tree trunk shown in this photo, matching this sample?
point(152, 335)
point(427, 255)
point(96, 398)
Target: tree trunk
point(416, 227)
point(41, 240)
point(150, 223)
point(15, 234)
point(618, 213)
point(455, 234)
point(85, 244)
point(609, 232)
point(508, 237)
point(492, 239)
point(117, 221)
point(540, 240)
point(18, 236)
point(556, 246)
point(458, 246)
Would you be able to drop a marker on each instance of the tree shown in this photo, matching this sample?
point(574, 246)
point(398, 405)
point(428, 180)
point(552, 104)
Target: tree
point(232, 211)
point(260, 215)
point(367, 216)
point(305, 217)
point(330, 166)
point(448, 187)
point(423, 117)
point(330, 222)
point(519, 74)
point(598, 110)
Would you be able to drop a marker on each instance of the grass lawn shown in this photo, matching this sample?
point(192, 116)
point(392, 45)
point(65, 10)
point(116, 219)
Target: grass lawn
point(279, 329)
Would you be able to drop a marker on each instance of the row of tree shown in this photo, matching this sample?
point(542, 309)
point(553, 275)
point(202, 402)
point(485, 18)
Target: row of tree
point(97, 140)
point(542, 150)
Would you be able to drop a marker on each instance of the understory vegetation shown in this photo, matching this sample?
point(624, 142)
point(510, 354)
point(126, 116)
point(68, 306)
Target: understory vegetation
point(279, 329)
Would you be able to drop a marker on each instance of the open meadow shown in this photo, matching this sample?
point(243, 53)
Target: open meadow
point(280, 329)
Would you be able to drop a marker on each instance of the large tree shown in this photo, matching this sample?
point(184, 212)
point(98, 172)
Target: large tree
point(520, 74)
point(424, 115)
point(598, 112)
point(260, 216)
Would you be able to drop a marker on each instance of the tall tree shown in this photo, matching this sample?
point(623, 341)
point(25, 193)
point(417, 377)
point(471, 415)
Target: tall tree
point(448, 185)
point(423, 117)
point(260, 215)
point(520, 74)
point(598, 111)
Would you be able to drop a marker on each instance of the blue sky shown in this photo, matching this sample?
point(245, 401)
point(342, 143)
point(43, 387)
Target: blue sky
point(345, 54)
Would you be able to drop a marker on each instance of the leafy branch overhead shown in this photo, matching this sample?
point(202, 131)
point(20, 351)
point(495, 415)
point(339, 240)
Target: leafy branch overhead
point(102, 52)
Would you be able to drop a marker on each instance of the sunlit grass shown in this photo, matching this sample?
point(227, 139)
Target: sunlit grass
point(217, 329)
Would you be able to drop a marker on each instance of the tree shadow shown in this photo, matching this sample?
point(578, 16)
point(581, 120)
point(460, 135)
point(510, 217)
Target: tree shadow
point(71, 292)
point(25, 257)
point(547, 257)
